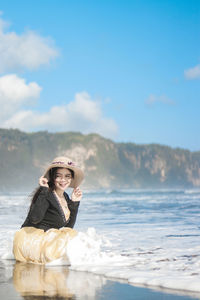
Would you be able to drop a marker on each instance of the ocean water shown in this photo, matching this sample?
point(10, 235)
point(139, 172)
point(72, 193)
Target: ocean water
point(146, 237)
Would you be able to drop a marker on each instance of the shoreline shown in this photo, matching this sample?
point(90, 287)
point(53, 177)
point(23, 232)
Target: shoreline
point(19, 280)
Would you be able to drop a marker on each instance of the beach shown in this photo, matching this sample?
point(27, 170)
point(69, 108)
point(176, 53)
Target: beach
point(134, 242)
point(29, 281)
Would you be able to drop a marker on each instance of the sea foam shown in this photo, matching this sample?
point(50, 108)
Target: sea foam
point(147, 238)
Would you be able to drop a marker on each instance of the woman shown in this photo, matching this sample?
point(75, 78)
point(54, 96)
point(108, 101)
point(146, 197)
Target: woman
point(52, 214)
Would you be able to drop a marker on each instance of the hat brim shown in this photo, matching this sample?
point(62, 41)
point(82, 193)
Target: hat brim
point(78, 174)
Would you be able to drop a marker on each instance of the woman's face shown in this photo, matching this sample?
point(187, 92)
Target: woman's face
point(63, 179)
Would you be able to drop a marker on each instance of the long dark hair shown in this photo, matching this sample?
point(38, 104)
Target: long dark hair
point(51, 183)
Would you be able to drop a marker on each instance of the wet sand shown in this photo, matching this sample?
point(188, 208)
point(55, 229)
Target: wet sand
point(28, 281)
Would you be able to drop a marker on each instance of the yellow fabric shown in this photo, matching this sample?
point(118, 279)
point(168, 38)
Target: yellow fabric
point(40, 247)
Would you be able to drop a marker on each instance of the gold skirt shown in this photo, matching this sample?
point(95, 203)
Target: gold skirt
point(38, 246)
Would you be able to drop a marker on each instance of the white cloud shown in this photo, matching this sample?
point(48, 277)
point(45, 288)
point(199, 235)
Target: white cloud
point(3, 24)
point(152, 99)
point(26, 51)
point(82, 114)
point(192, 73)
point(15, 92)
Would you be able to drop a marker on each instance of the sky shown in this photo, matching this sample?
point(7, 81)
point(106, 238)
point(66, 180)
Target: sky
point(127, 70)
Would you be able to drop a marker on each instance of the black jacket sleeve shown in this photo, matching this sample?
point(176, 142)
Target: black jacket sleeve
point(39, 207)
point(73, 207)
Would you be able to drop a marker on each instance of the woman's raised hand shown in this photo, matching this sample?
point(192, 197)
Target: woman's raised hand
point(43, 181)
point(77, 194)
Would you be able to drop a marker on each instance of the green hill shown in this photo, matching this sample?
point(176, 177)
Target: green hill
point(24, 156)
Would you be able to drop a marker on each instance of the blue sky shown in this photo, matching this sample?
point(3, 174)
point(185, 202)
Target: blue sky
point(128, 70)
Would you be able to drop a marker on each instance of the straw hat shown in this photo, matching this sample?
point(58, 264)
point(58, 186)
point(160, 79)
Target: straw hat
point(65, 162)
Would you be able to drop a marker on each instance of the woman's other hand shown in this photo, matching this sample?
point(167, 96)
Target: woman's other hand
point(76, 194)
point(43, 181)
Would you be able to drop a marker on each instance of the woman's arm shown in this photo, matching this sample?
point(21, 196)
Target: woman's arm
point(39, 207)
point(73, 207)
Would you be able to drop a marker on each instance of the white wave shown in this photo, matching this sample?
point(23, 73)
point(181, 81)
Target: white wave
point(151, 265)
point(168, 268)
point(145, 244)
point(192, 191)
point(87, 249)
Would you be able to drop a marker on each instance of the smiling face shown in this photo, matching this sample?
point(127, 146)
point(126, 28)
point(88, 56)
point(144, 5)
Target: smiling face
point(63, 178)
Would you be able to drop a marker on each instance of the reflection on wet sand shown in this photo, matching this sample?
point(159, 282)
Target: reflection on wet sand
point(33, 281)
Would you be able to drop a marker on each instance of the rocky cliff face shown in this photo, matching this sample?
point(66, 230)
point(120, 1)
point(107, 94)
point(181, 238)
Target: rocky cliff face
point(24, 156)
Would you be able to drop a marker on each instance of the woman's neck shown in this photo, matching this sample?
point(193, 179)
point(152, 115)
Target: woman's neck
point(60, 193)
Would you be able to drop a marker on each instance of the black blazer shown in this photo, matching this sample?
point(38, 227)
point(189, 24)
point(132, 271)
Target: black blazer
point(46, 212)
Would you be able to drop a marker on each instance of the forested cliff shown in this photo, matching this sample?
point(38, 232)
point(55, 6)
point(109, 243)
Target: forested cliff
point(107, 164)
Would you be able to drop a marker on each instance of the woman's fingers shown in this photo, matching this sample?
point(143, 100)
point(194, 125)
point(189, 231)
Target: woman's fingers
point(77, 194)
point(43, 181)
